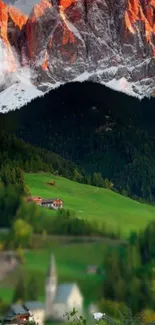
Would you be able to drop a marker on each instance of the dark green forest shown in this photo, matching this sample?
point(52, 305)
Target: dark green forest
point(106, 132)
point(17, 153)
point(127, 280)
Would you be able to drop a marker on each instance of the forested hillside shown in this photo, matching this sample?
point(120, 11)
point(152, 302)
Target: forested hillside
point(104, 132)
point(17, 153)
point(17, 158)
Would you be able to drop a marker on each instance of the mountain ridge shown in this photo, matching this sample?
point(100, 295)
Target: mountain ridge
point(110, 42)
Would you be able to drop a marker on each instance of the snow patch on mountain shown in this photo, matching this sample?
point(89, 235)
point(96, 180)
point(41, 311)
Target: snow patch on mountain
point(22, 91)
point(123, 86)
point(19, 92)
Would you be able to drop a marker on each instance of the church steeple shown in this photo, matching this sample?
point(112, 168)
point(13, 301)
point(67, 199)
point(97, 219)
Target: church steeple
point(51, 285)
point(52, 267)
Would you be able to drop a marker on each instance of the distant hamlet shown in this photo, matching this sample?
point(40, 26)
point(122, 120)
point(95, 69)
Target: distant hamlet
point(55, 203)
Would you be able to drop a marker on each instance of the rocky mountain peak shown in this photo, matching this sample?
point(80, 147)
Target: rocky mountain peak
point(107, 41)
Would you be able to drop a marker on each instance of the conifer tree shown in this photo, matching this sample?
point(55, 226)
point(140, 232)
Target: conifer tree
point(32, 289)
point(20, 290)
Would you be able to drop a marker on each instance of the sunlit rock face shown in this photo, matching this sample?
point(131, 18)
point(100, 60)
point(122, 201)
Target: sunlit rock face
point(11, 21)
point(108, 41)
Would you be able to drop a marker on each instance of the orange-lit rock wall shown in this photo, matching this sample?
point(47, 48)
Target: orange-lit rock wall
point(19, 19)
point(136, 12)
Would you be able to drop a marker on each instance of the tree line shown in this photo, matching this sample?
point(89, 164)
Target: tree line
point(145, 242)
point(32, 221)
point(129, 273)
point(127, 281)
point(26, 290)
point(17, 153)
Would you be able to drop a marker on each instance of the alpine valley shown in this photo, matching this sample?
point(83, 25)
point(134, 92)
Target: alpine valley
point(59, 41)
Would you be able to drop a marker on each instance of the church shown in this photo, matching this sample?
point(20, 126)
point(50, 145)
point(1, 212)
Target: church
point(59, 300)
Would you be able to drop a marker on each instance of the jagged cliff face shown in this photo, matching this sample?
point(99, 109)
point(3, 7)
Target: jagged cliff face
point(108, 41)
point(11, 21)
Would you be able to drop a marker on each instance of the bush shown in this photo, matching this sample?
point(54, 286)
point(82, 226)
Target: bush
point(124, 318)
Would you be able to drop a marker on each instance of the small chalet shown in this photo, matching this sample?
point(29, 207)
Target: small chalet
point(35, 199)
point(92, 269)
point(53, 203)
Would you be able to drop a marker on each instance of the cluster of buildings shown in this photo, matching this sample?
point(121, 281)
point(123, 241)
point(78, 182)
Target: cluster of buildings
point(59, 300)
point(54, 203)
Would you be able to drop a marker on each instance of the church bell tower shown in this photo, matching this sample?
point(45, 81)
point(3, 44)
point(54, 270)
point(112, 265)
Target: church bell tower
point(51, 287)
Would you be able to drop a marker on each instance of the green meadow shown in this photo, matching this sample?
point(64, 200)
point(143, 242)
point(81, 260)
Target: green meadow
point(72, 262)
point(96, 204)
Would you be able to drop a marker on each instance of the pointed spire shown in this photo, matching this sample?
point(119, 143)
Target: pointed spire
point(52, 266)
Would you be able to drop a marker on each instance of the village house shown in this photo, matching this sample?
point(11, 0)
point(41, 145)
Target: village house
point(55, 203)
point(36, 310)
point(23, 314)
point(17, 315)
point(92, 269)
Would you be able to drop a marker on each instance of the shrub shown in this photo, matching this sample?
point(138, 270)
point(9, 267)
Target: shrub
point(124, 318)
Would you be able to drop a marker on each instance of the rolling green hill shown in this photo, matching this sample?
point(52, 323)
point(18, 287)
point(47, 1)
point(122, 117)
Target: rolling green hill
point(95, 204)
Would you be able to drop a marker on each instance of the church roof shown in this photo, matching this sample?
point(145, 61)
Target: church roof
point(17, 309)
point(33, 305)
point(63, 292)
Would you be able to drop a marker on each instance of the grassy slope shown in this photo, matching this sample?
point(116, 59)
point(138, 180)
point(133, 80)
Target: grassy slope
point(71, 261)
point(94, 203)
